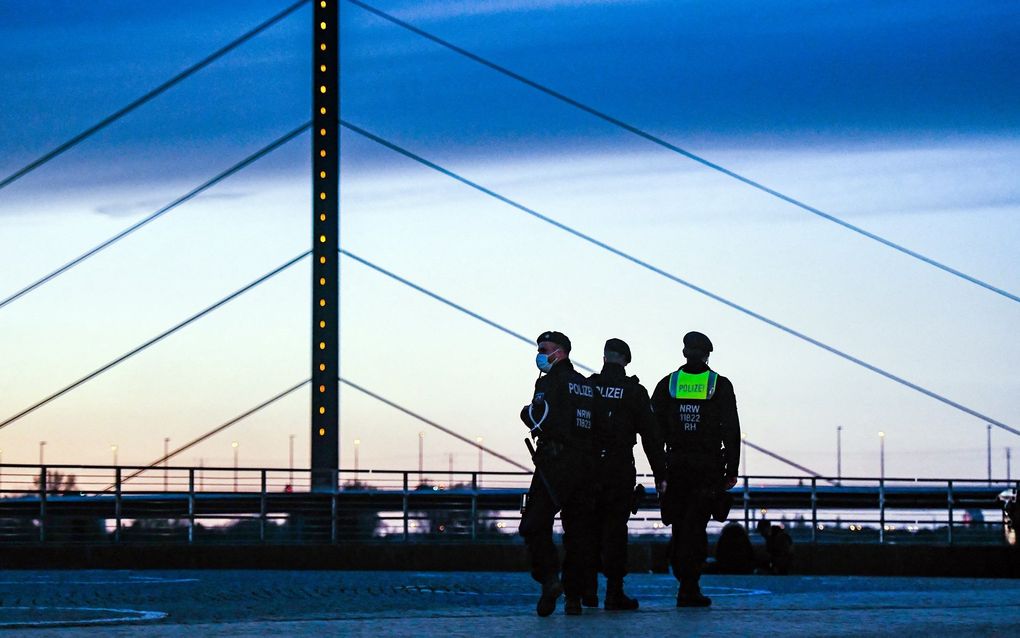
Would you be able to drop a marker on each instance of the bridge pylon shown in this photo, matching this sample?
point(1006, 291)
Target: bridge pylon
point(325, 403)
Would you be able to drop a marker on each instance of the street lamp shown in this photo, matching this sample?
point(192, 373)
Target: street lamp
point(839, 453)
point(743, 444)
point(421, 456)
point(357, 447)
point(233, 444)
point(166, 458)
point(989, 454)
point(113, 448)
point(291, 458)
point(881, 455)
point(478, 481)
point(42, 446)
point(2, 470)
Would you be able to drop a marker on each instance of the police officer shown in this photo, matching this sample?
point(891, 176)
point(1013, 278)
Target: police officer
point(628, 413)
point(697, 414)
point(562, 416)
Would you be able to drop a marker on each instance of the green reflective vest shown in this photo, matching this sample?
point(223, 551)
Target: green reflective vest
point(684, 385)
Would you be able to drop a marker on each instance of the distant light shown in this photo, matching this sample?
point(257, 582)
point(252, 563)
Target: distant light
point(233, 444)
point(357, 441)
point(881, 435)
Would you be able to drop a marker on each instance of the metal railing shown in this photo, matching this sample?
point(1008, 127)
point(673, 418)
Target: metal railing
point(133, 504)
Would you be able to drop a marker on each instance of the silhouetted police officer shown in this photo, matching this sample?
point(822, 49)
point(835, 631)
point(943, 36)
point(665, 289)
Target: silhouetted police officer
point(562, 416)
point(697, 413)
point(627, 414)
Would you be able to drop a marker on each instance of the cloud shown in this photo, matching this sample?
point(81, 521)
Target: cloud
point(147, 206)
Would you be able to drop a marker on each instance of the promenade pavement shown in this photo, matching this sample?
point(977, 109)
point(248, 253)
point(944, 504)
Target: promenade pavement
point(482, 604)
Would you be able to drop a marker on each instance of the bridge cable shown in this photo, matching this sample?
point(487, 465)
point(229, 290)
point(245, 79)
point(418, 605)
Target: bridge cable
point(427, 421)
point(521, 337)
point(676, 149)
point(674, 278)
point(254, 157)
point(783, 459)
point(162, 88)
point(213, 431)
point(154, 465)
point(451, 304)
point(156, 339)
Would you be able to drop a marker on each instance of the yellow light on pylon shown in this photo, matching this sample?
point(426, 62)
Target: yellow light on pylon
point(322, 239)
point(322, 174)
point(322, 281)
point(322, 47)
point(322, 153)
point(322, 324)
point(322, 303)
point(322, 217)
point(322, 67)
point(322, 132)
point(322, 388)
point(322, 431)
point(322, 25)
point(322, 195)
point(322, 411)
point(322, 260)
point(322, 89)
point(322, 110)
point(322, 367)
point(322, 345)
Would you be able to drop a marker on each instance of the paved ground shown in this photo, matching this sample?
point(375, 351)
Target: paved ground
point(248, 603)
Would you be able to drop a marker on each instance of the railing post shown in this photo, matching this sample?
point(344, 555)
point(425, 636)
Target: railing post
point(474, 506)
point(262, 510)
point(117, 504)
point(747, 504)
point(949, 504)
point(405, 507)
point(42, 504)
point(191, 505)
point(814, 509)
point(881, 510)
point(333, 507)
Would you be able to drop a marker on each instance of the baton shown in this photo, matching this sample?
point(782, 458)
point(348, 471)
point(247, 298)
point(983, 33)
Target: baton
point(541, 475)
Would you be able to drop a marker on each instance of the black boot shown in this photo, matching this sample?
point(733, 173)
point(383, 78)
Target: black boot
point(551, 590)
point(616, 600)
point(572, 606)
point(690, 595)
point(590, 595)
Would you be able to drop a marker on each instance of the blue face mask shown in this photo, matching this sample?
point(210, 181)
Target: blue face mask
point(543, 362)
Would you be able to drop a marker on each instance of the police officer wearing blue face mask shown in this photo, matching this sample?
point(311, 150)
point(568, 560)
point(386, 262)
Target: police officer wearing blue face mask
point(562, 416)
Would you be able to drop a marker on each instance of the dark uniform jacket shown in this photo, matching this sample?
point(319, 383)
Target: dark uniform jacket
point(702, 436)
point(567, 433)
point(628, 413)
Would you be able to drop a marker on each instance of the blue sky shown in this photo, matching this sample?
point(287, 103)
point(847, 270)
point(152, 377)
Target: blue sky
point(898, 116)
